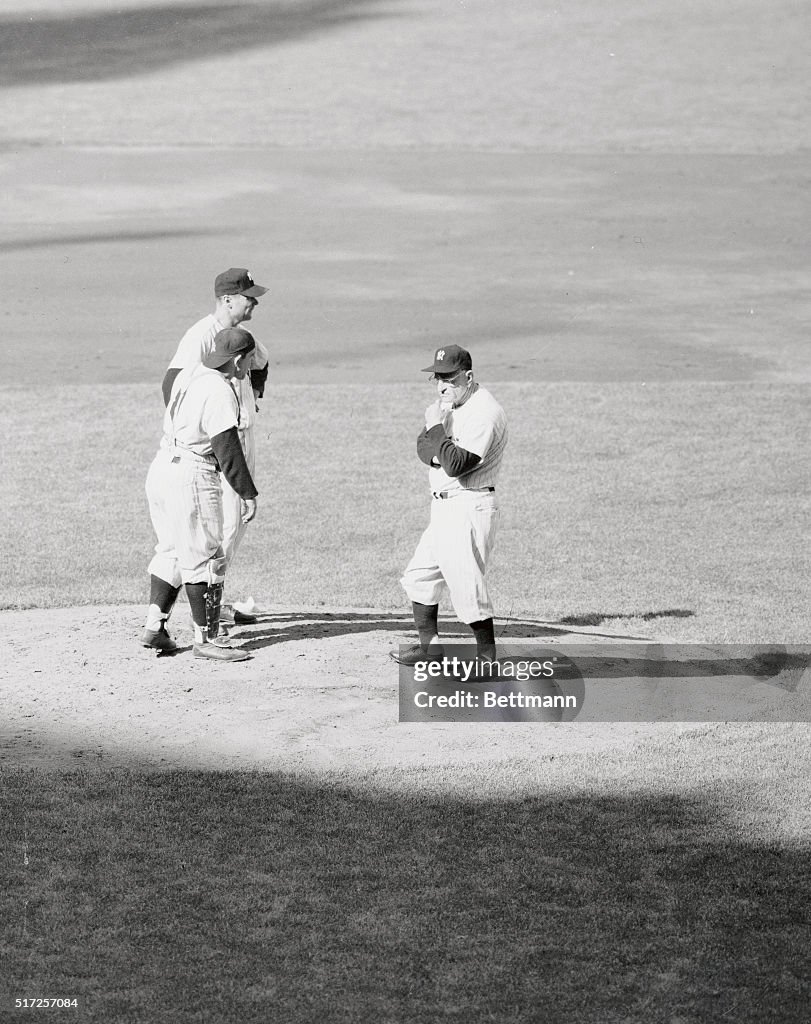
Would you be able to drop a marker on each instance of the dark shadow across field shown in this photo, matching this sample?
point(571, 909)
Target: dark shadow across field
point(116, 44)
point(190, 896)
point(597, 618)
point(98, 238)
point(521, 637)
point(373, 259)
point(276, 629)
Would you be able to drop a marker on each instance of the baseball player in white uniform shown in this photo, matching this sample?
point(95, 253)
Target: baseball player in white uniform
point(200, 447)
point(463, 444)
point(236, 296)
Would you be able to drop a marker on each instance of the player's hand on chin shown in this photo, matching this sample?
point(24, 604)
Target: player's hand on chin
point(434, 415)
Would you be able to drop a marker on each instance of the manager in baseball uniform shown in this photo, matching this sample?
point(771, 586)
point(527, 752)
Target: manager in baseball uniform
point(462, 444)
point(236, 296)
point(200, 447)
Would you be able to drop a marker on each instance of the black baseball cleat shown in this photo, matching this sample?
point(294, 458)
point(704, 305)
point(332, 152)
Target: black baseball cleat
point(411, 655)
point(241, 619)
point(231, 616)
point(158, 640)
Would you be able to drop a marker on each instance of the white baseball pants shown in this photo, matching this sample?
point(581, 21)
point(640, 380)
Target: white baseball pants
point(453, 553)
point(185, 504)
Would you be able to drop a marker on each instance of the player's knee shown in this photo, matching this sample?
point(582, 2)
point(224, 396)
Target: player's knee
point(165, 568)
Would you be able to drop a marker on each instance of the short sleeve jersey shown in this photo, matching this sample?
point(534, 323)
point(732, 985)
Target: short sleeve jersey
point(478, 426)
point(197, 342)
point(202, 404)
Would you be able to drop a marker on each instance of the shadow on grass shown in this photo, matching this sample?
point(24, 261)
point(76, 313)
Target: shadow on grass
point(598, 618)
point(92, 46)
point(96, 237)
point(191, 896)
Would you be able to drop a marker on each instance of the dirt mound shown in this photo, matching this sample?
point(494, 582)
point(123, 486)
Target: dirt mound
point(319, 694)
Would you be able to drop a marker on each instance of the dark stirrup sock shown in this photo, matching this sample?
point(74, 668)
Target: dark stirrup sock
point(162, 594)
point(196, 593)
point(485, 634)
point(425, 619)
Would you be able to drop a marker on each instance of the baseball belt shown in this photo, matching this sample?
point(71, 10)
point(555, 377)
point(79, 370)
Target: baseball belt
point(187, 454)
point(462, 490)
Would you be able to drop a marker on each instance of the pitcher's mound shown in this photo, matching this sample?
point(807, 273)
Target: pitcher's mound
point(319, 693)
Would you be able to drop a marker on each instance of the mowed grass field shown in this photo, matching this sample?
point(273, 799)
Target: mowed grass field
point(677, 510)
point(642, 319)
point(608, 204)
point(661, 884)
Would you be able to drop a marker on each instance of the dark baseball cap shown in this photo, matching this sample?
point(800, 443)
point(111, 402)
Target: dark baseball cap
point(237, 281)
point(450, 359)
point(233, 341)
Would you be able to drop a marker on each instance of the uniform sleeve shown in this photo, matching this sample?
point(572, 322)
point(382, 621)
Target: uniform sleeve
point(259, 370)
point(259, 378)
point(427, 448)
point(193, 347)
point(260, 356)
point(455, 460)
point(477, 436)
point(168, 381)
point(220, 412)
point(231, 459)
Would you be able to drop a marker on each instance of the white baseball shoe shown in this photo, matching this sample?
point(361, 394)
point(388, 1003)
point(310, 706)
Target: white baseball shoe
point(219, 652)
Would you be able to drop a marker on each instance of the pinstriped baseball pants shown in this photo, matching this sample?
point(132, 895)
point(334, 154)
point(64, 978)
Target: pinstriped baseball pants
point(185, 504)
point(453, 552)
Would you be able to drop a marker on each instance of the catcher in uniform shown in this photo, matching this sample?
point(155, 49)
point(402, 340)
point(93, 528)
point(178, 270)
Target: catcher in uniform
point(236, 295)
point(462, 444)
point(200, 447)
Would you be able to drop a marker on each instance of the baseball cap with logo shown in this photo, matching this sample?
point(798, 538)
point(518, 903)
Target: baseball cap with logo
point(237, 281)
point(450, 359)
point(233, 341)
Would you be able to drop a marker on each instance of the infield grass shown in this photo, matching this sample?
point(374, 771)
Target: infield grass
point(667, 883)
point(675, 510)
point(663, 884)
